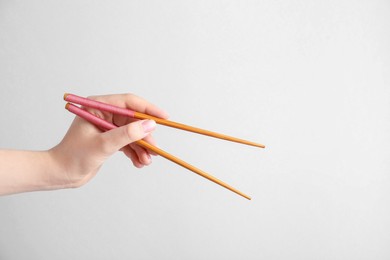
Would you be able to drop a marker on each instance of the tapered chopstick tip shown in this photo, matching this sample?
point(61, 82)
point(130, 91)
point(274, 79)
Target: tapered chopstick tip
point(257, 145)
point(65, 95)
point(246, 196)
point(67, 106)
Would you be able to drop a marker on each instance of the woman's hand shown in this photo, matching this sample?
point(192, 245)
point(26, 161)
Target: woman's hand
point(85, 147)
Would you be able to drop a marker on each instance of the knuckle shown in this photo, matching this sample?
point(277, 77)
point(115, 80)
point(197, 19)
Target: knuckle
point(92, 97)
point(129, 95)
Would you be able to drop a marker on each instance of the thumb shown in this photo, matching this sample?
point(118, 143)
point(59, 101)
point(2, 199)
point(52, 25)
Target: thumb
point(115, 139)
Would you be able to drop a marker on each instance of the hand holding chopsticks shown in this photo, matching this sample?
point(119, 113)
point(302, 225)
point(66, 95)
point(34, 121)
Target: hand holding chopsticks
point(85, 102)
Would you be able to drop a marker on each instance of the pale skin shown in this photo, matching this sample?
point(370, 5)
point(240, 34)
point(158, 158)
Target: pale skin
point(83, 150)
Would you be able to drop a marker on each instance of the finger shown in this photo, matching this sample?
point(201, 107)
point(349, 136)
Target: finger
point(131, 154)
point(142, 153)
point(149, 138)
point(113, 140)
point(132, 102)
point(141, 105)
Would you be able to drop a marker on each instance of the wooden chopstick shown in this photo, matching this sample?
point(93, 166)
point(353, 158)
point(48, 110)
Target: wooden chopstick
point(133, 114)
point(191, 168)
point(108, 126)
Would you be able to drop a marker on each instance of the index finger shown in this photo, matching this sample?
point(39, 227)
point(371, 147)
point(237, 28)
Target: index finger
point(132, 102)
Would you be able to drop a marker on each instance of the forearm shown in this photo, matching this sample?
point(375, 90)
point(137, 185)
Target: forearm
point(22, 171)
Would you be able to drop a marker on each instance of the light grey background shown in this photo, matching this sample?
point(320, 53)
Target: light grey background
point(310, 79)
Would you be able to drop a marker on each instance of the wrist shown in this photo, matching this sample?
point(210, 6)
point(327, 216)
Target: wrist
point(24, 171)
point(58, 174)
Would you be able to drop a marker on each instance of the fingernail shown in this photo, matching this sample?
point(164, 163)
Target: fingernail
point(148, 125)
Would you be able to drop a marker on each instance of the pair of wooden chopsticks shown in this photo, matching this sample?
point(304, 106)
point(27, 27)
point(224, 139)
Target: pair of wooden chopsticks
point(73, 99)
